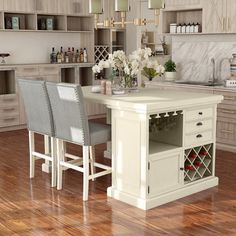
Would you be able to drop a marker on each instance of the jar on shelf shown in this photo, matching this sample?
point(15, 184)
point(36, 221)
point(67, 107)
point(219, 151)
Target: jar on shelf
point(179, 29)
point(173, 28)
point(183, 29)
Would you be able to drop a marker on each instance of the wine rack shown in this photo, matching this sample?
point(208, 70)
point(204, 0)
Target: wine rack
point(101, 53)
point(198, 163)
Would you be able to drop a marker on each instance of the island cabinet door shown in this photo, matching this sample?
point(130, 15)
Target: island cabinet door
point(165, 173)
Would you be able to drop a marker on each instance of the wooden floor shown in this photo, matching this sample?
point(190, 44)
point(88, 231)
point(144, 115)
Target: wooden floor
point(32, 207)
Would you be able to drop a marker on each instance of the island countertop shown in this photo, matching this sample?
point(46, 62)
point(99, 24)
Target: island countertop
point(146, 100)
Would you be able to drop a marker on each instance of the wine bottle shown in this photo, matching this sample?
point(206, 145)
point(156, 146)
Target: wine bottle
point(69, 55)
point(62, 55)
point(85, 55)
point(81, 55)
point(73, 55)
point(77, 56)
point(53, 56)
point(58, 57)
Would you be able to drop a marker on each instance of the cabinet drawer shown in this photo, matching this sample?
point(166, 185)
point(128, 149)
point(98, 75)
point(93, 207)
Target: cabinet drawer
point(8, 100)
point(9, 121)
point(226, 132)
point(228, 113)
point(49, 70)
point(199, 114)
point(9, 111)
point(197, 126)
point(27, 71)
point(198, 138)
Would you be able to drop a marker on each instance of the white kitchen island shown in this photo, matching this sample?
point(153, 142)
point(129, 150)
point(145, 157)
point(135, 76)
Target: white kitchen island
point(163, 144)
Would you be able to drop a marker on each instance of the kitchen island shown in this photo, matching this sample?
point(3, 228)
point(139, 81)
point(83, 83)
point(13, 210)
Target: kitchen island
point(163, 144)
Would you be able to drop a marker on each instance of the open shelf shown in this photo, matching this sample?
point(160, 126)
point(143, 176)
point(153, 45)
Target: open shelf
point(157, 147)
point(180, 17)
point(7, 82)
point(68, 75)
point(51, 22)
point(198, 163)
point(85, 76)
point(165, 132)
point(19, 21)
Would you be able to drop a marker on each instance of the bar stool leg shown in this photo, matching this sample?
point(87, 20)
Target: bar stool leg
point(86, 172)
point(31, 150)
point(54, 162)
point(92, 160)
point(59, 167)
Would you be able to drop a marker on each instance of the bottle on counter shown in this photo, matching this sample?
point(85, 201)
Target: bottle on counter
point(59, 57)
point(85, 55)
point(197, 28)
point(53, 56)
point(62, 55)
point(81, 55)
point(192, 27)
point(73, 55)
point(66, 57)
point(69, 55)
point(77, 56)
point(173, 28)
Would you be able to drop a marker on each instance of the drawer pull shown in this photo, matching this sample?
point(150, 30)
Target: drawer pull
point(200, 113)
point(199, 136)
point(182, 169)
point(227, 131)
point(9, 119)
point(199, 124)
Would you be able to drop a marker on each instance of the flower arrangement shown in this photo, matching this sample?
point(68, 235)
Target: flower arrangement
point(129, 66)
point(152, 69)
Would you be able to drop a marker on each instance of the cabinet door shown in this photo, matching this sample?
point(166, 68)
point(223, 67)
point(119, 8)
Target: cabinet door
point(52, 6)
point(1, 5)
point(76, 6)
point(182, 3)
point(19, 5)
point(47, 6)
point(165, 174)
point(231, 16)
point(62, 6)
point(214, 16)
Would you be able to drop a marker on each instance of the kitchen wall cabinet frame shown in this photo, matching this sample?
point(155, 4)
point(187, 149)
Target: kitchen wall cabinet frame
point(182, 4)
point(24, 6)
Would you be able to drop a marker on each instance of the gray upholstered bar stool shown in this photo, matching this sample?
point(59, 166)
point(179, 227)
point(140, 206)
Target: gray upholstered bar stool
point(39, 120)
point(72, 125)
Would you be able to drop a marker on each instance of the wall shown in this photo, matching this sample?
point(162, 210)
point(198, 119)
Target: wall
point(193, 55)
point(30, 47)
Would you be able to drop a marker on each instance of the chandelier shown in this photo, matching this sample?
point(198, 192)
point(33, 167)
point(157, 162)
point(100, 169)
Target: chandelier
point(122, 6)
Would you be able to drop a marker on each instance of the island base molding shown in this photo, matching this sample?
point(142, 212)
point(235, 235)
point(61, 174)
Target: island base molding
point(146, 204)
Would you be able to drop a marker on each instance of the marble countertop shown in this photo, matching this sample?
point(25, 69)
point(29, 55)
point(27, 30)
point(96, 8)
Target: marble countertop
point(181, 85)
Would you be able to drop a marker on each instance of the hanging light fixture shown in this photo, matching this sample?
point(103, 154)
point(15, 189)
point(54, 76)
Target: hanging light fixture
point(122, 6)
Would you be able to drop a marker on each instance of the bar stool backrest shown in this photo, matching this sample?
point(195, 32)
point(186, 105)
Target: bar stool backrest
point(37, 106)
point(69, 114)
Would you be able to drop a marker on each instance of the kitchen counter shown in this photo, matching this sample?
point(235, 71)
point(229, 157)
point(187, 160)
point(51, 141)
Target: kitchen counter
point(180, 85)
point(154, 134)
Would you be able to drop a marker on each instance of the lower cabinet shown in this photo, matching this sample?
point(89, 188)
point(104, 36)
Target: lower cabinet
point(169, 165)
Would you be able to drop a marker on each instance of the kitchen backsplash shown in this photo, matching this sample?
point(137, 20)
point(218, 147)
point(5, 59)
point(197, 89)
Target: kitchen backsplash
point(193, 54)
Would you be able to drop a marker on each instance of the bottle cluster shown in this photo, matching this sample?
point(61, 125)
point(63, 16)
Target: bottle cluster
point(69, 56)
point(185, 28)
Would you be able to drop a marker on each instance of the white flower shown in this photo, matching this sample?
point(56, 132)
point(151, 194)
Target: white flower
point(96, 69)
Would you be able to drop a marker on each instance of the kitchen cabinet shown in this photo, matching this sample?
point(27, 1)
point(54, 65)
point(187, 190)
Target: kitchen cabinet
point(219, 16)
point(182, 4)
point(168, 165)
point(214, 13)
point(19, 5)
point(46, 6)
point(1, 5)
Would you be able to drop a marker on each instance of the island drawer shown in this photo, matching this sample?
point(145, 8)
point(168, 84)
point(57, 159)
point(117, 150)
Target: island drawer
point(8, 100)
point(198, 114)
point(198, 138)
point(49, 70)
point(197, 126)
point(226, 132)
point(229, 97)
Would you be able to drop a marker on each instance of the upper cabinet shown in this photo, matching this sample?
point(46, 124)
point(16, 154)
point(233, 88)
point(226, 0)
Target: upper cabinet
point(18, 5)
point(214, 16)
point(182, 4)
point(219, 16)
point(47, 6)
point(78, 7)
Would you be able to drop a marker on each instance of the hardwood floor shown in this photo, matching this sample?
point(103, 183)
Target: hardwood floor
point(32, 207)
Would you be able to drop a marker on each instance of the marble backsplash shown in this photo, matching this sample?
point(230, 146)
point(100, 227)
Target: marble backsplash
point(193, 54)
